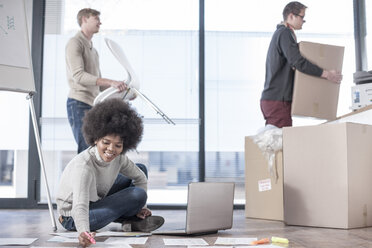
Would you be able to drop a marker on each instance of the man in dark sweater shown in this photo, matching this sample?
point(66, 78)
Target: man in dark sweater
point(283, 57)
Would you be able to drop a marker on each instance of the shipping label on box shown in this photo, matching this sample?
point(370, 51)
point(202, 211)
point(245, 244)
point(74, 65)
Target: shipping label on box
point(264, 185)
point(314, 96)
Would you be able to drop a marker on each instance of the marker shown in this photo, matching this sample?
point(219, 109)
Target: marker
point(91, 239)
point(261, 241)
point(279, 240)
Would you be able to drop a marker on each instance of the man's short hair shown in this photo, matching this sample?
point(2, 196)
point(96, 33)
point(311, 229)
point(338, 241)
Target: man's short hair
point(294, 8)
point(86, 12)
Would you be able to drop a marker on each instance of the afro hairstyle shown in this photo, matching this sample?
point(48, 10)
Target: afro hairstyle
point(113, 117)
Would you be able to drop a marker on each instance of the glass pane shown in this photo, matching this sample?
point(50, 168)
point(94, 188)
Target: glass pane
point(14, 125)
point(368, 9)
point(238, 33)
point(160, 39)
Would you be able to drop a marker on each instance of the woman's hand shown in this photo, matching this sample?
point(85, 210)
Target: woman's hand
point(145, 212)
point(86, 238)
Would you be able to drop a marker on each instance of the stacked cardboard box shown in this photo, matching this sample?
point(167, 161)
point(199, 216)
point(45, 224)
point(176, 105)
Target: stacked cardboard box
point(327, 175)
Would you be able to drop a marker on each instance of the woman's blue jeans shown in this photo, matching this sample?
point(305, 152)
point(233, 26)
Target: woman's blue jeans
point(75, 112)
point(123, 201)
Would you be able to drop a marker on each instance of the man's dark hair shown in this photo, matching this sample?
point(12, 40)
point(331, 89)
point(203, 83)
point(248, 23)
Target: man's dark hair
point(113, 117)
point(294, 8)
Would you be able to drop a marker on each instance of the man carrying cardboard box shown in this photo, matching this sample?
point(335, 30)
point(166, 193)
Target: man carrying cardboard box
point(282, 59)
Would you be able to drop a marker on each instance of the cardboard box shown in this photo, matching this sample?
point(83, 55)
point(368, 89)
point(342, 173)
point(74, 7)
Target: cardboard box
point(264, 194)
point(315, 96)
point(328, 175)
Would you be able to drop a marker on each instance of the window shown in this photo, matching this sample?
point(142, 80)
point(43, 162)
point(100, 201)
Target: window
point(368, 9)
point(160, 39)
point(237, 37)
point(13, 145)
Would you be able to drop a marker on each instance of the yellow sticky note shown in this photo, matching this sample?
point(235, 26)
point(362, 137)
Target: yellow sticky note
point(279, 240)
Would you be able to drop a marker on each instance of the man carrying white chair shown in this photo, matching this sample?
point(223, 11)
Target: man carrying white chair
point(83, 73)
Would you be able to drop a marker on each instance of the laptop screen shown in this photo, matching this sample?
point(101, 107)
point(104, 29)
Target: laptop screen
point(210, 206)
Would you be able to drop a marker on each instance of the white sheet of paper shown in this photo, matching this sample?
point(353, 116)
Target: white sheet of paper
point(132, 241)
point(63, 239)
point(66, 234)
point(212, 246)
point(261, 246)
point(52, 246)
point(121, 234)
point(97, 245)
point(184, 242)
point(17, 241)
point(234, 241)
point(103, 244)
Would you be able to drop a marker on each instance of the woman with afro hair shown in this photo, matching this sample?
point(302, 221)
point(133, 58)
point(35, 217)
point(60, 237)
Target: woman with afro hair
point(101, 184)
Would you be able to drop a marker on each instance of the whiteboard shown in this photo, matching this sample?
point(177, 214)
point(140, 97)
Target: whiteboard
point(16, 72)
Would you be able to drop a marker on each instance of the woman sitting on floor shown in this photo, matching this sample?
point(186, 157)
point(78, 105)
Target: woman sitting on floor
point(101, 184)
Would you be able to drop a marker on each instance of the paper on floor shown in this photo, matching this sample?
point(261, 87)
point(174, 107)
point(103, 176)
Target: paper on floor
point(234, 241)
point(190, 241)
point(212, 246)
point(121, 241)
point(66, 234)
point(262, 246)
point(122, 234)
point(97, 245)
point(103, 244)
point(61, 239)
point(17, 241)
point(103, 234)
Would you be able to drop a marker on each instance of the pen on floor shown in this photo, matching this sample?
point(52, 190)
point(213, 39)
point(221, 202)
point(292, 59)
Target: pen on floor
point(91, 239)
point(261, 241)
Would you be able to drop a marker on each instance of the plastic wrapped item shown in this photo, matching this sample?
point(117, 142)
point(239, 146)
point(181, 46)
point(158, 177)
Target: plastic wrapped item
point(270, 141)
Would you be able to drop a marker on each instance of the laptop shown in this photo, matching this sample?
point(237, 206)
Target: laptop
point(210, 208)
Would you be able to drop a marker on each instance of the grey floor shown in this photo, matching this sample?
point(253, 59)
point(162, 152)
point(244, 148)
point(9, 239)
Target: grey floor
point(37, 224)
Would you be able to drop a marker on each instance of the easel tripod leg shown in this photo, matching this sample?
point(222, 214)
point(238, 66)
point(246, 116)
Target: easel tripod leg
point(38, 144)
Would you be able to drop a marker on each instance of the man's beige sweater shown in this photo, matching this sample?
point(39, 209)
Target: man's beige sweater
point(82, 68)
